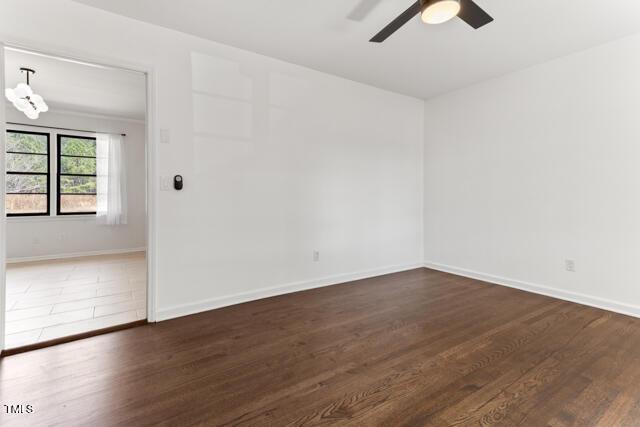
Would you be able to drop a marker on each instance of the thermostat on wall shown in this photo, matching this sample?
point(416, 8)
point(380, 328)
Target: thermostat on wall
point(177, 182)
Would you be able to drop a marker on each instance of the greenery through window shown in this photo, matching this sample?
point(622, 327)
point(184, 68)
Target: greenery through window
point(27, 167)
point(76, 175)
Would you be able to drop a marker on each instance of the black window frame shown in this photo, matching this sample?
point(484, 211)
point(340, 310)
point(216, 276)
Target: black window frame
point(59, 174)
point(47, 174)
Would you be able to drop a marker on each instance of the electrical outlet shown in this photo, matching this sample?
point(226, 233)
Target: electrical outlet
point(316, 256)
point(570, 265)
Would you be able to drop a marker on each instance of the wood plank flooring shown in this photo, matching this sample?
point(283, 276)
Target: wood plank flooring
point(414, 348)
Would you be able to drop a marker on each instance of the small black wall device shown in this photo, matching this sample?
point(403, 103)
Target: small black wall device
point(177, 182)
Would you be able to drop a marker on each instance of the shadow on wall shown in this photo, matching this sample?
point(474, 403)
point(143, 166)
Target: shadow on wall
point(253, 150)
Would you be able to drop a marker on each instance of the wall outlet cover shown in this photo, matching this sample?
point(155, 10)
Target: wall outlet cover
point(570, 265)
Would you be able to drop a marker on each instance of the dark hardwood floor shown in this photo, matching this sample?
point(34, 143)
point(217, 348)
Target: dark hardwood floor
point(414, 348)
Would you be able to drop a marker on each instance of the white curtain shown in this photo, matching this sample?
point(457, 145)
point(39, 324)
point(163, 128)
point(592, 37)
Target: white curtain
point(111, 179)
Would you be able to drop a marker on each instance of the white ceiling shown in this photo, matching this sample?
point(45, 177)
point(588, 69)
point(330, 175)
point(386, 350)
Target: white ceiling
point(80, 87)
point(419, 60)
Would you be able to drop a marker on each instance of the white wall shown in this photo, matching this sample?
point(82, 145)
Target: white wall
point(278, 161)
point(29, 237)
point(539, 166)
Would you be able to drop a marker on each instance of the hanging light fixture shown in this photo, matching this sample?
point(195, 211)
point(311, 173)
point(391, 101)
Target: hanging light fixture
point(439, 11)
point(25, 100)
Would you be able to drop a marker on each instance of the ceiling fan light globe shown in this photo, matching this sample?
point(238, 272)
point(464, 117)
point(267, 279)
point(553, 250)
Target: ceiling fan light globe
point(440, 11)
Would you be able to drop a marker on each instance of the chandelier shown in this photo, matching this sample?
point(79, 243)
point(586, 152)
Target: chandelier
point(23, 98)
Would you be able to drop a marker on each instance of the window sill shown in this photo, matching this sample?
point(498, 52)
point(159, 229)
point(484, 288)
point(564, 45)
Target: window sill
point(19, 219)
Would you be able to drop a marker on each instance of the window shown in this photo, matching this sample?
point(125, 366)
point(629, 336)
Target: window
point(76, 175)
point(27, 167)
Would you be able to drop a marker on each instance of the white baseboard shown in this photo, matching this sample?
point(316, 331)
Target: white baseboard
point(211, 304)
point(579, 298)
point(74, 255)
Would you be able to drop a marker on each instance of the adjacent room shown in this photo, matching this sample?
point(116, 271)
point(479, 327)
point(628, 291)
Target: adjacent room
point(301, 213)
point(75, 198)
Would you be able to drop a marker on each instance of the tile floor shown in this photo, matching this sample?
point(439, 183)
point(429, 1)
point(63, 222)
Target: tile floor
point(53, 299)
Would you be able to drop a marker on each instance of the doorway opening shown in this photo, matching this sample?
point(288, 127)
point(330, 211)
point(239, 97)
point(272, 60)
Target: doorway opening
point(75, 199)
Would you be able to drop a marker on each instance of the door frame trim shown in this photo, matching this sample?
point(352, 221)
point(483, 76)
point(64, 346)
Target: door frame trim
point(151, 159)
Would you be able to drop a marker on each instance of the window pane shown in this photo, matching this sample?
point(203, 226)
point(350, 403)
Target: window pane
point(77, 203)
point(26, 203)
point(26, 183)
point(77, 146)
point(26, 143)
point(79, 165)
point(77, 184)
point(26, 163)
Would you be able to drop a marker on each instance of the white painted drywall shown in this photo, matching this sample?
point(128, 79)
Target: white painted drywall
point(278, 161)
point(31, 237)
point(528, 170)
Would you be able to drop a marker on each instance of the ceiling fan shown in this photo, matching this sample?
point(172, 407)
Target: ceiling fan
point(437, 12)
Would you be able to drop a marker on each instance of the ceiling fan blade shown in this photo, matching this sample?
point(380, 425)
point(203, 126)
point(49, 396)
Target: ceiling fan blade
point(363, 9)
point(473, 14)
point(395, 25)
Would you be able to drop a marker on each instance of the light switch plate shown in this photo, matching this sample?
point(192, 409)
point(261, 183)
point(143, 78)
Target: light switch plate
point(165, 183)
point(165, 136)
